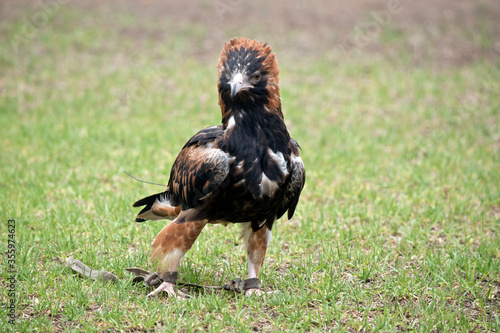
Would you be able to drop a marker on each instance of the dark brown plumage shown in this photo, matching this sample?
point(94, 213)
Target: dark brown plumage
point(247, 170)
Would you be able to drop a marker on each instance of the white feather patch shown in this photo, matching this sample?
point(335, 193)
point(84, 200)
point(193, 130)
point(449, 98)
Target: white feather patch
point(268, 186)
point(246, 230)
point(269, 236)
point(280, 161)
point(160, 204)
point(296, 159)
point(170, 260)
point(163, 200)
point(231, 122)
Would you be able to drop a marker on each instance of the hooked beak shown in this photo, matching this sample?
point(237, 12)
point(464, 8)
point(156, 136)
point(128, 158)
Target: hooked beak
point(238, 83)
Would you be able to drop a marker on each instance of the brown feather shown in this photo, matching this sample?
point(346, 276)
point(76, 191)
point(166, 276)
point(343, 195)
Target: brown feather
point(256, 244)
point(196, 172)
point(173, 241)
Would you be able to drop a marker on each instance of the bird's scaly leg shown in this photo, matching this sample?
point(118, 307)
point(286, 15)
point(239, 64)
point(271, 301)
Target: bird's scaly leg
point(256, 245)
point(169, 246)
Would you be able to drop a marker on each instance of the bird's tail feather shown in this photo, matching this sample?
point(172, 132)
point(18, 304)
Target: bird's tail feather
point(158, 207)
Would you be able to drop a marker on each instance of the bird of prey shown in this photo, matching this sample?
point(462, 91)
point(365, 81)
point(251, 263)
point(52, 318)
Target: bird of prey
point(246, 170)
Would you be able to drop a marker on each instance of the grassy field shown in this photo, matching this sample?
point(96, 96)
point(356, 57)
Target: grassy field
point(398, 227)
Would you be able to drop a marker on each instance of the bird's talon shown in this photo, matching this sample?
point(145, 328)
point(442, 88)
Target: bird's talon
point(181, 295)
point(168, 287)
point(258, 292)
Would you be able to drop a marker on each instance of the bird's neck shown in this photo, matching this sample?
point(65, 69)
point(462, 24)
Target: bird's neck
point(253, 114)
point(245, 125)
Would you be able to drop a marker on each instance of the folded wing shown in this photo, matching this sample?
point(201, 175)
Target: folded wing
point(200, 168)
point(294, 185)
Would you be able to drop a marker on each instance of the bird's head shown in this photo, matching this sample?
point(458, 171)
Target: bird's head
point(248, 76)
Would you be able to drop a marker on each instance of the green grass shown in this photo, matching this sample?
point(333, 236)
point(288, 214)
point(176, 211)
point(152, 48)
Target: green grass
point(397, 228)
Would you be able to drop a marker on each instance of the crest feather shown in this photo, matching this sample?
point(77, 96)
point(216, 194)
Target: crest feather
point(270, 64)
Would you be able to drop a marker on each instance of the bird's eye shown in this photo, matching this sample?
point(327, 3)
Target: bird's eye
point(257, 77)
point(226, 72)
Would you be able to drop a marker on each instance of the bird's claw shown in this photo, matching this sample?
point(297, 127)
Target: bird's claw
point(168, 287)
point(259, 293)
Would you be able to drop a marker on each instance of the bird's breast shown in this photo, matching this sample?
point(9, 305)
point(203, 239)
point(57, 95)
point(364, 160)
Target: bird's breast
point(259, 170)
point(260, 174)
